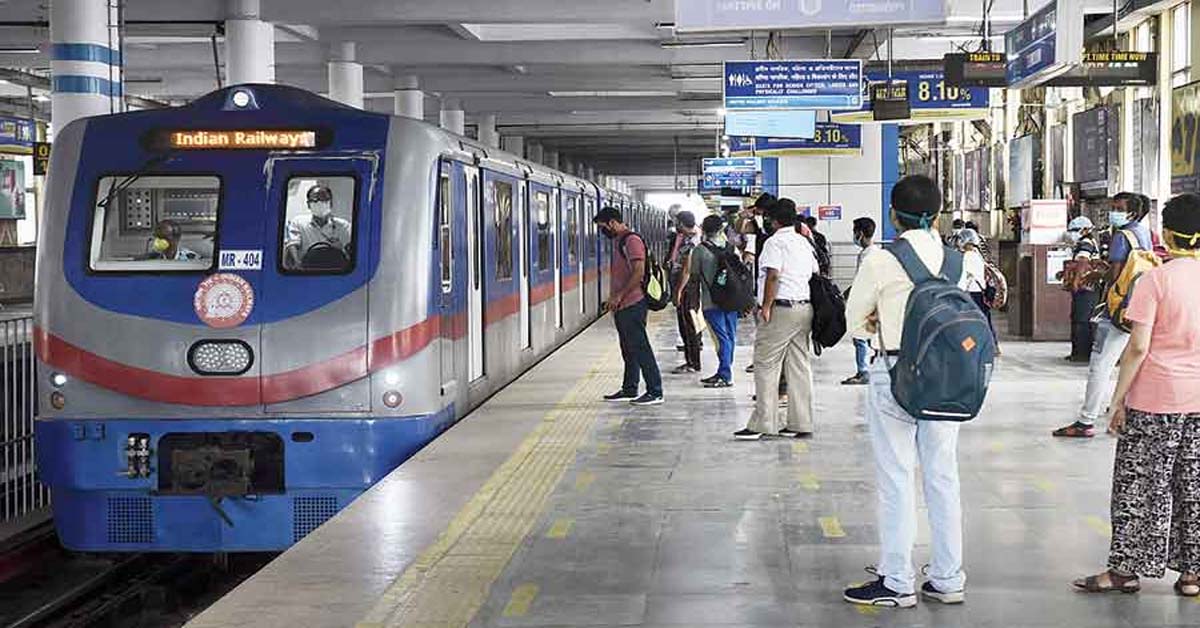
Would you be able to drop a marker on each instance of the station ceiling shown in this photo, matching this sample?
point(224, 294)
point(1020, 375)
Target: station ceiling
point(608, 82)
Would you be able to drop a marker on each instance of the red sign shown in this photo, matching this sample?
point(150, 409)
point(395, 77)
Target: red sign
point(829, 212)
point(224, 300)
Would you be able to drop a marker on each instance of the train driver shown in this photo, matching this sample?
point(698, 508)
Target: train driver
point(166, 243)
point(318, 228)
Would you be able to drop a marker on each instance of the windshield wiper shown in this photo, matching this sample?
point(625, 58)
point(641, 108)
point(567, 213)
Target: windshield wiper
point(129, 180)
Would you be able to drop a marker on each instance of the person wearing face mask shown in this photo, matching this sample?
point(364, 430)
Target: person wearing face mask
point(1130, 233)
point(318, 226)
point(864, 238)
point(701, 271)
point(1082, 279)
point(627, 302)
point(166, 243)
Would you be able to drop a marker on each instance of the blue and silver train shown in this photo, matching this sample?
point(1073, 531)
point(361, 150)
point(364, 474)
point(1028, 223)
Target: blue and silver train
point(252, 308)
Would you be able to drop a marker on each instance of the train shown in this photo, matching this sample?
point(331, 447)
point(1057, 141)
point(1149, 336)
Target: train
point(251, 308)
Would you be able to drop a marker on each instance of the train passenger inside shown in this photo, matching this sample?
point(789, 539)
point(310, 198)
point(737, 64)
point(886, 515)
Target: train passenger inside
point(167, 235)
point(317, 240)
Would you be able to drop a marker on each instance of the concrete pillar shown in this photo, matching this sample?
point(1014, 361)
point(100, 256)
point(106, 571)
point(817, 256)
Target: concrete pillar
point(551, 159)
point(515, 144)
point(452, 117)
point(591, 174)
point(249, 45)
point(345, 75)
point(487, 130)
point(410, 100)
point(1165, 113)
point(85, 63)
point(566, 165)
point(535, 153)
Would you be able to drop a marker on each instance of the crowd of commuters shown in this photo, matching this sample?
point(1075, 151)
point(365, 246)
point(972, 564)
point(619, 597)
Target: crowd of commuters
point(1154, 410)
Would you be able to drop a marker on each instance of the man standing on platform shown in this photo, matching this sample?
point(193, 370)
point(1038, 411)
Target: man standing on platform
point(627, 302)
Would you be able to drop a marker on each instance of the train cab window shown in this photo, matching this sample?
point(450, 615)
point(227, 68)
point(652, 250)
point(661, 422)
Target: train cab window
point(445, 232)
point(541, 205)
point(572, 230)
point(502, 202)
point(318, 226)
point(160, 223)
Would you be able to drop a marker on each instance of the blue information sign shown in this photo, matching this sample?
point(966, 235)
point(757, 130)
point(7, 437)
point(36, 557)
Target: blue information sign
point(1031, 45)
point(714, 15)
point(800, 123)
point(828, 139)
point(17, 133)
point(730, 172)
point(814, 84)
point(929, 97)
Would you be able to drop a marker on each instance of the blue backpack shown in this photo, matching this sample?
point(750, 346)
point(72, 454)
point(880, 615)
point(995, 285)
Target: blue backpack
point(947, 352)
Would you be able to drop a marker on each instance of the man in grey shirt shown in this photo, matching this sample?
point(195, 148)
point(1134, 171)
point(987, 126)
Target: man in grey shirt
point(319, 226)
point(701, 268)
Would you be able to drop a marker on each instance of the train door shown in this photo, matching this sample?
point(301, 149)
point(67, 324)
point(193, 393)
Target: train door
point(524, 234)
point(556, 219)
point(475, 296)
point(450, 198)
point(575, 238)
point(314, 357)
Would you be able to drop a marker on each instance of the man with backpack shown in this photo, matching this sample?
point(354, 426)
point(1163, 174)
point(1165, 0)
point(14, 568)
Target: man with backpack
point(784, 332)
point(627, 302)
point(821, 244)
point(1130, 253)
point(726, 290)
point(934, 362)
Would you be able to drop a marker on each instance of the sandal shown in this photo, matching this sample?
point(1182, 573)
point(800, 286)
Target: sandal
point(1187, 586)
point(1116, 582)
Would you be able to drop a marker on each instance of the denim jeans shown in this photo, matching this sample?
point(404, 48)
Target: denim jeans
point(899, 442)
point(862, 348)
point(724, 326)
point(1107, 348)
point(636, 350)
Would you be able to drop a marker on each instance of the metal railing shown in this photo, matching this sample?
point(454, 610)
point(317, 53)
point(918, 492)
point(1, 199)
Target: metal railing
point(21, 494)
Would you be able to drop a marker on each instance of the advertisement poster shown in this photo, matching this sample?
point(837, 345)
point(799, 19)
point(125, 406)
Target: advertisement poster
point(1185, 138)
point(12, 189)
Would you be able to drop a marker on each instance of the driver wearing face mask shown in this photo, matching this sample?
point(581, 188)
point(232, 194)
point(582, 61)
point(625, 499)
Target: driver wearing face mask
point(167, 235)
point(319, 226)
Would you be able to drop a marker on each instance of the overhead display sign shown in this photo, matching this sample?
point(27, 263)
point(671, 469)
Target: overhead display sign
point(976, 69)
point(813, 84)
point(1046, 45)
point(930, 98)
point(828, 139)
point(800, 124)
point(1111, 69)
point(740, 15)
point(1185, 139)
point(16, 135)
point(730, 172)
point(244, 139)
point(41, 158)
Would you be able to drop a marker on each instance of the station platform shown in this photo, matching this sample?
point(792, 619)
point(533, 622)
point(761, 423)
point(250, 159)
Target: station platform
point(549, 507)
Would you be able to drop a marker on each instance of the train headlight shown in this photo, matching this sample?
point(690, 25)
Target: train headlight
point(392, 399)
point(58, 380)
point(220, 357)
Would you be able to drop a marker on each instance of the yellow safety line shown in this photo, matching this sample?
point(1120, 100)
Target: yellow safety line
point(869, 611)
point(1044, 485)
point(810, 482)
point(800, 447)
point(584, 480)
point(560, 529)
point(1102, 527)
point(522, 598)
point(450, 581)
point(831, 528)
point(996, 447)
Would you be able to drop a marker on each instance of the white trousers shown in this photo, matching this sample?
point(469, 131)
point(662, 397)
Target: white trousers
point(899, 442)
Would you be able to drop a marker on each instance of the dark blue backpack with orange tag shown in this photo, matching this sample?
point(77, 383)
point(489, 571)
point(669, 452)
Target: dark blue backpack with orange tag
point(947, 353)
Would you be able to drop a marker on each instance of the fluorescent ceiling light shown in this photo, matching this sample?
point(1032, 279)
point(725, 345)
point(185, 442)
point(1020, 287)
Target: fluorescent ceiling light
point(975, 19)
point(665, 26)
point(696, 78)
point(613, 94)
point(41, 98)
point(710, 43)
point(19, 50)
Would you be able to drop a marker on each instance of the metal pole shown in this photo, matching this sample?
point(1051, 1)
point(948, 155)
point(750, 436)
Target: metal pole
point(829, 44)
point(1116, 33)
point(891, 51)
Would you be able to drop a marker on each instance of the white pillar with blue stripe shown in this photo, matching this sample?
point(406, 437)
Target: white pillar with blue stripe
point(85, 63)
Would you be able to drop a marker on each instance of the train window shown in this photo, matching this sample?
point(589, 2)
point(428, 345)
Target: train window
point(541, 204)
point(445, 232)
point(572, 230)
point(318, 230)
point(502, 201)
point(155, 223)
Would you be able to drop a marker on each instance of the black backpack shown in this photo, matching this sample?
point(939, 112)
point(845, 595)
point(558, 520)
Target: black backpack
point(732, 286)
point(829, 313)
point(654, 279)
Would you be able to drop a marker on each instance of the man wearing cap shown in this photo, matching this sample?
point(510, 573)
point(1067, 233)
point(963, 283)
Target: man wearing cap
point(1082, 278)
point(318, 226)
point(627, 302)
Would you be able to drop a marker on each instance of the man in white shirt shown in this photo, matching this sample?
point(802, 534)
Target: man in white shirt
point(876, 309)
point(784, 334)
point(319, 226)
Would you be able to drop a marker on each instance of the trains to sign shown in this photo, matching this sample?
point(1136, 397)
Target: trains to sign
point(251, 308)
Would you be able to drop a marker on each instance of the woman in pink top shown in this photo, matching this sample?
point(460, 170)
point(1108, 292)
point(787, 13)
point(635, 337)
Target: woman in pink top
point(1156, 413)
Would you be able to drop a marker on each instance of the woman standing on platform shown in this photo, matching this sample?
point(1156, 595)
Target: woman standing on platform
point(1156, 414)
point(974, 276)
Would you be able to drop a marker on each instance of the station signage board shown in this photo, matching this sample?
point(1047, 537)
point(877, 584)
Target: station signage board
point(1111, 69)
point(1185, 139)
point(930, 98)
point(828, 139)
point(16, 135)
point(730, 172)
point(834, 84)
point(41, 158)
point(976, 69)
point(1045, 45)
point(199, 139)
point(829, 212)
point(741, 15)
point(795, 124)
